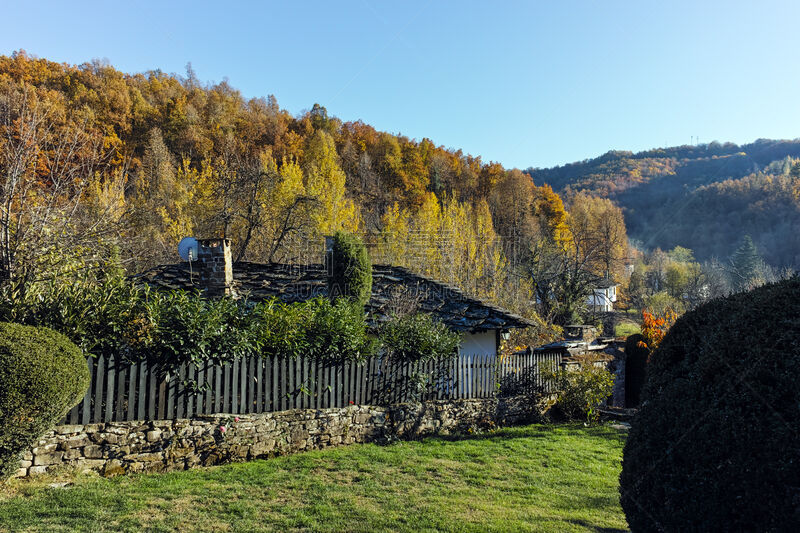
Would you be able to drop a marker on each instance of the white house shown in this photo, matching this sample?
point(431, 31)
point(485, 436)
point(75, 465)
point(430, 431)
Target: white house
point(603, 296)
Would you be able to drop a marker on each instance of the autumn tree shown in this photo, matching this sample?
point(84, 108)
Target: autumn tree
point(46, 159)
point(325, 181)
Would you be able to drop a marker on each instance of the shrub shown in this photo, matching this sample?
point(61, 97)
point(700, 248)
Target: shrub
point(580, 391)
point(337, 331)
point(417, 337)
point(714, 445)
point(350, 269)
point(104, 312)
point(636, 356)
point(407, 341)
point(183, 327)
point(42, 375)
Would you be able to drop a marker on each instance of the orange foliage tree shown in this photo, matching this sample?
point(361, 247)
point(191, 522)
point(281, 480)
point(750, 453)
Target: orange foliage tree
point(655, 326)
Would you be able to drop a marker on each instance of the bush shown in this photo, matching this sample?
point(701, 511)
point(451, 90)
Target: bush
point(418, 337)
point(184, 327)
point(337, 331)
point(714, 445)
point(580, 391)
point(42, 375)
point(104, 312)
point(636, 355)
point(350, 269)
point(407, 341)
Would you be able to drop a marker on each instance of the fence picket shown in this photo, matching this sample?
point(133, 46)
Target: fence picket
point(180, 390)
point(151, 394)
point(259, 384)
point(267, 377)
point(242, 372)
point(275, 385)
point(251, 384)
point(131, 403)
point(87, 398)
point(189, 391)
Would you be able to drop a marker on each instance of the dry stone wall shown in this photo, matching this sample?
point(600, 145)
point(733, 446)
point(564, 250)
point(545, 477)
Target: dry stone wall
point(156, 446)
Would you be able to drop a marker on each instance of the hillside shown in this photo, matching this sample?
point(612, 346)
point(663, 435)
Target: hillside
point(703, 197)
point(102, 166)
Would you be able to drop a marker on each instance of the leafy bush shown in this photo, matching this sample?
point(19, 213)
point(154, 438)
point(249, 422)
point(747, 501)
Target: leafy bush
point(714, 445)
point(337, 331)
point(104, 312)
point(42, 375)
point(350, 268)
point(580, 391)
point(406, 342)
point(661, 303)
point(183, 327)
point(417, 337)
point(91, 302)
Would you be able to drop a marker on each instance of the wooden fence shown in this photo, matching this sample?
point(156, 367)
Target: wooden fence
point(122, 391)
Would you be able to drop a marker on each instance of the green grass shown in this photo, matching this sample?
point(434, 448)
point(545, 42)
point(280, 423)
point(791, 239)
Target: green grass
point(626, 329)
point(532, 478)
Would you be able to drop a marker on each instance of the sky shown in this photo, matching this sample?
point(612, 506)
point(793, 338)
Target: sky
point(526, 84)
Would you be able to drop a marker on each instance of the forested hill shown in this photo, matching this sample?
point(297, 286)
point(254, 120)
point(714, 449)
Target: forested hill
point(703, 197)
point(115, 168)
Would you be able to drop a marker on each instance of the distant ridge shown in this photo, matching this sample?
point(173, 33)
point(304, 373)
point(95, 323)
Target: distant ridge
point(704, 197)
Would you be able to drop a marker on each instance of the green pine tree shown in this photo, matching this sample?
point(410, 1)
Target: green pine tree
point(747, 266)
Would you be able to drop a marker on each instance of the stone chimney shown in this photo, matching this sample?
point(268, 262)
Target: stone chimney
point(215, 266)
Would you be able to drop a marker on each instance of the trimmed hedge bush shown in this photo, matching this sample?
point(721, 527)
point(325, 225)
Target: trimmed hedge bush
point(715, 445)
point(42, 375)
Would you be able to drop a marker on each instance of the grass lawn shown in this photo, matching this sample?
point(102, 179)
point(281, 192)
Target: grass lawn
point(627, 328)
point(531, 478)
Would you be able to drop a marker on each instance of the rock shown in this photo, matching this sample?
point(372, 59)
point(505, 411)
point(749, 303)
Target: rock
point(90, 465)
point(74, 453)
point(145, 457)
point(65, 430)
point(35, 470)
point(43, 459)
point(107, 438)
point(112, 468)
point(93, 452)
point(46, 448)
point(153, 436)
point(77, 441)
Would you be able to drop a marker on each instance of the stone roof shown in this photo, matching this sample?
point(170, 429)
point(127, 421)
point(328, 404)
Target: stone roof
point(394, 289)
point(605, 283)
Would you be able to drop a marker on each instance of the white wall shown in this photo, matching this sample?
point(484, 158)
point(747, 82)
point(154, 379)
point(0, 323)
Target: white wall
point(478, 343)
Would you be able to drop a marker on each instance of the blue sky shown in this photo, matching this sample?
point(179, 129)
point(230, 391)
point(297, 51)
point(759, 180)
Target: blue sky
point(535, 83)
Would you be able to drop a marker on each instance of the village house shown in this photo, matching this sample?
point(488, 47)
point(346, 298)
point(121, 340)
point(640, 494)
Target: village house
point(603, 296)
point(394, 289)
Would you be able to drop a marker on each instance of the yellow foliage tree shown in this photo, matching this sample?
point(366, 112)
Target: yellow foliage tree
point(325, 181)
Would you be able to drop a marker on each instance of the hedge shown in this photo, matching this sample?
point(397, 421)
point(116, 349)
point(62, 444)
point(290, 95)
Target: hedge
point(42, 375)
point(715, 444)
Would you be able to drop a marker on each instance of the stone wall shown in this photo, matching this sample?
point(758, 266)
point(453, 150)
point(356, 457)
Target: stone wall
point(121, 447)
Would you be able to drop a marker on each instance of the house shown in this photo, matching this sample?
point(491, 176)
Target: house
point(394, 289)
point(603, 296)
